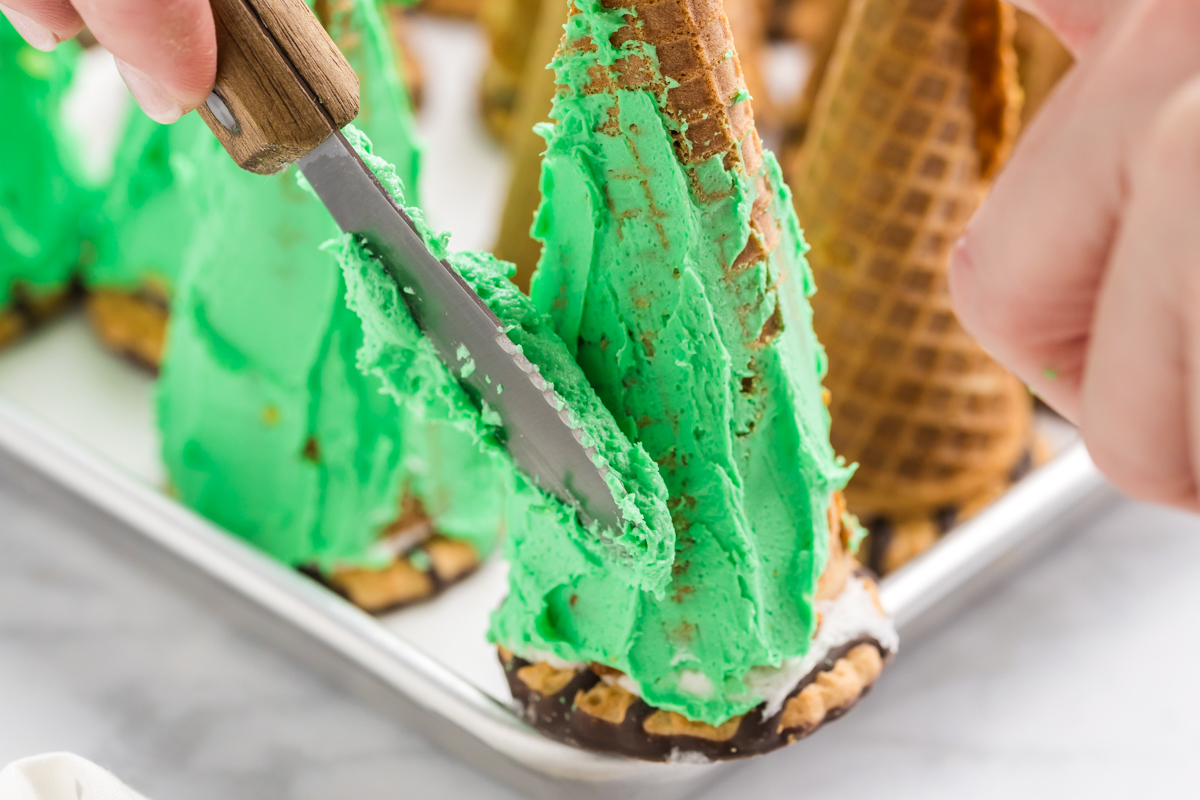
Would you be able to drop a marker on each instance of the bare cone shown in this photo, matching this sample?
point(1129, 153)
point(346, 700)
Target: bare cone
point(511, 26)
point(919, 110)
point(526, 147)
point(460, 9)
point(408, 66)
point(821, 36)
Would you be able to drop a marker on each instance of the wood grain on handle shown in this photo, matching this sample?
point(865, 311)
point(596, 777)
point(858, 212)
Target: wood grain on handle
point(282, 84)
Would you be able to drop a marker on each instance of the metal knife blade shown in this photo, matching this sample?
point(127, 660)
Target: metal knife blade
point(541, 439)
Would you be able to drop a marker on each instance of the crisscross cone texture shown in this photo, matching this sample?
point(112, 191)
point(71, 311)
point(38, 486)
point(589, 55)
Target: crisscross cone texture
point(919, 109)
point(701, 73)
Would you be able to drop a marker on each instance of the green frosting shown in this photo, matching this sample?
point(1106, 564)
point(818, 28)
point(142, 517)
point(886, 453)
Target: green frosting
point(268, 426)
point(149, 214)
point(637, 274)
point(42, 207)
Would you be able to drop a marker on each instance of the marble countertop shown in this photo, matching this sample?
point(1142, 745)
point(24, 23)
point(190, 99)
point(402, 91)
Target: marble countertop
point(1073, 679)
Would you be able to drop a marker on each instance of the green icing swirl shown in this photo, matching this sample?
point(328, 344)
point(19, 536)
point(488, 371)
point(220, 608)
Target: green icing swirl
point(42, 207)
point(635, 273)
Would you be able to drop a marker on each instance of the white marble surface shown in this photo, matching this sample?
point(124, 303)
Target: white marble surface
point(1073, 680)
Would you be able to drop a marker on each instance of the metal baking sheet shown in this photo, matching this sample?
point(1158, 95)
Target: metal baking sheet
point(82, 420)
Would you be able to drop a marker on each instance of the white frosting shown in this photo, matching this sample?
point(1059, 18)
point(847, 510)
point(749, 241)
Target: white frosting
point(687, 757)
point(396, 545)
point(849, 616)
point(533, 656)
point(695, 683)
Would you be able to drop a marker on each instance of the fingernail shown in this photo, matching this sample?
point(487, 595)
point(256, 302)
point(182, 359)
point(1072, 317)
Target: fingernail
point(32, 31)
point(158, 104)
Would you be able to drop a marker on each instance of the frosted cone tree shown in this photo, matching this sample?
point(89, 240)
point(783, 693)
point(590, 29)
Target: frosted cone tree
point(673, 268)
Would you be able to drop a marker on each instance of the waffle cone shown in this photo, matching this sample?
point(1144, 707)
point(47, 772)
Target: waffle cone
point(458, 9)
point(701, 73)
point(919, 109)
point(748, 26)
point(691, 39)
point(408, 66)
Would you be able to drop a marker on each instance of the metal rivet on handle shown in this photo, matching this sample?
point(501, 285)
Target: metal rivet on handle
point(221, 111)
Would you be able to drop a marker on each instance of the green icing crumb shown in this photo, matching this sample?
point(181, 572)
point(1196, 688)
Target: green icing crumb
point(420, 560)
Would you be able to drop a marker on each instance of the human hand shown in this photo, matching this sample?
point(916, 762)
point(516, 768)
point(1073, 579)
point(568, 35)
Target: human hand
point(166, 50)
point(1081, 271)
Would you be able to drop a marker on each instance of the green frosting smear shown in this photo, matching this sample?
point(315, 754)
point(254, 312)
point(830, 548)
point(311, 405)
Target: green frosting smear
point(150, 211)
point(268, 426)
point(42, 207)
point(420, 384)
point(713, 369)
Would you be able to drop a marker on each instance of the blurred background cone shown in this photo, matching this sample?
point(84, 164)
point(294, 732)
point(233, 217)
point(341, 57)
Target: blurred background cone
point(510, 26)
point(817, 24)
point(918, 110)
point(525, 146)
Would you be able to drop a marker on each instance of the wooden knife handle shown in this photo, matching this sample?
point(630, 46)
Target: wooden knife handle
point(282, 84)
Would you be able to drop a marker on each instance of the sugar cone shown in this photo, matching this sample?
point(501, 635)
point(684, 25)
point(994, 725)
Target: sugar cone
point(1042, 60)
point(408, 66)
point(919, 109)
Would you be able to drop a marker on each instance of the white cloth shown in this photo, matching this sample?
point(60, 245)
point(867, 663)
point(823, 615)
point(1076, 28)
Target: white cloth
point(61, 776)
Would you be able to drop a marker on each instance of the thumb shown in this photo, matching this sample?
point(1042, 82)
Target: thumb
point(166, 50)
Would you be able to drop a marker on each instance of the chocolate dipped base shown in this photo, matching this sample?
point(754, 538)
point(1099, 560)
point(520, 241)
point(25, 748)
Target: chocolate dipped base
point(29, 309)
point(892, 543)
point(588, 708)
